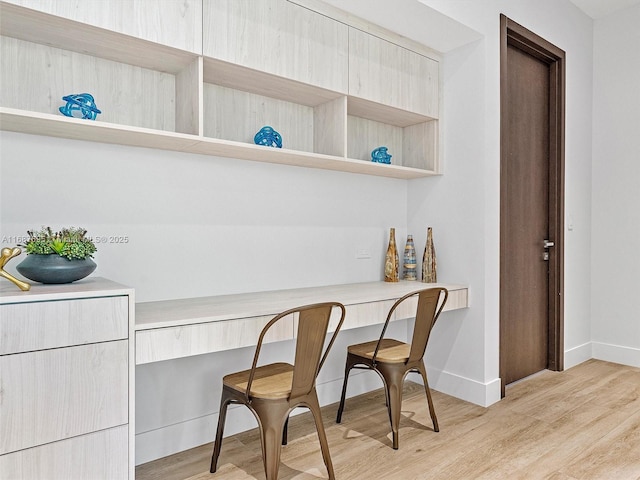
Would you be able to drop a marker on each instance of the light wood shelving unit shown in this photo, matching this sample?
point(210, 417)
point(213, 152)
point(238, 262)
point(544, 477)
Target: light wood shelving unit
point(157, 96)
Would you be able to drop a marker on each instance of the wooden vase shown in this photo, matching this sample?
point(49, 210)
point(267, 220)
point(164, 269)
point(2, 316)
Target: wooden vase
point(391, 260)
point(429, 274)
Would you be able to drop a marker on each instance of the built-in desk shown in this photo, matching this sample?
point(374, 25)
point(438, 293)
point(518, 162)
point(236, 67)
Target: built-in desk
point(181, 328)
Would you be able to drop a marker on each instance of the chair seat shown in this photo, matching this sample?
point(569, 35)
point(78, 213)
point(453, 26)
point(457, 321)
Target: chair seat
point(271, 381)
point(390, 351)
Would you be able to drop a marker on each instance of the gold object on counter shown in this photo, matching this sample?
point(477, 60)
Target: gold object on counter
point(8, 254)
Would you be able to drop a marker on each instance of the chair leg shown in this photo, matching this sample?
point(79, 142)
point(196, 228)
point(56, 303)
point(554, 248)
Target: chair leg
point(432, 411)
point(314, 406)
point(347, 369)
point(271, 420)
point(393, 379)
point(285, 432)
point(224, 403)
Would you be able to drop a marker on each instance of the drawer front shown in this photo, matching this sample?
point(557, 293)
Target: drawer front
point(457, 299)
point(33, 326)
point(55, 394)
point(407, 309)
point(97, 456)
point(175, 342)
point(364, 314)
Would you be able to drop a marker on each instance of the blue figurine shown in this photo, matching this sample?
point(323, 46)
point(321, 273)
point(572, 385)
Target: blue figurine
point(380, 155)
point(268, 137)
point(80, 104)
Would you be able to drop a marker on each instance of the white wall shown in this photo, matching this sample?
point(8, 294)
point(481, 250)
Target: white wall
point(198, 225)
point(616, 196)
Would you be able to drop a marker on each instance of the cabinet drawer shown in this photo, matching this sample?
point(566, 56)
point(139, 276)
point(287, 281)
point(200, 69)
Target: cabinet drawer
point(182, 341)
point(55, 394)
point(40, 325)
point(97, 456)
point(364, 314)
point(386, 73)
point(457, 299)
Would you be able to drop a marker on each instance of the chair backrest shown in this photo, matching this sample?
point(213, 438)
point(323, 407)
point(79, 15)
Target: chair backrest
point(428, 311)
point(431, 301)
point(313, 324)
point(310, 355)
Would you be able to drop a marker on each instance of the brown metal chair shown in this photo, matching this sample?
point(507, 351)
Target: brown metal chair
point(392, 359)
point(272, 391)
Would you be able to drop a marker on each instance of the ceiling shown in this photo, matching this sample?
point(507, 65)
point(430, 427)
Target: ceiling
point(414, 19)
point(602, 8)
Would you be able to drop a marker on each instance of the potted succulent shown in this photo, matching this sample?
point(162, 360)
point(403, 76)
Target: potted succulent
point(58, 257)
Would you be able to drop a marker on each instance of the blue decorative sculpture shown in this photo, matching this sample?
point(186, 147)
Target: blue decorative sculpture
point(268, 137)
point(80, 105)
point(380, 155)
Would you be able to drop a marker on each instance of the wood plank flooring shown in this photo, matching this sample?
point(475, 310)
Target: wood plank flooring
point(583, 423)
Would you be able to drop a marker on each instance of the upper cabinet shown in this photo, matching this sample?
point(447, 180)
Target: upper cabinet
point(384, 72)
point(278, 37)
point(203, 76)
point(173, 23)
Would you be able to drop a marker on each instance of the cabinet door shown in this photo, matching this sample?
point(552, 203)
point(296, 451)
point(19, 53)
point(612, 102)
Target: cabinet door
point(173, 23)
point(54, 394)
point(386, 73)
point(278, 37)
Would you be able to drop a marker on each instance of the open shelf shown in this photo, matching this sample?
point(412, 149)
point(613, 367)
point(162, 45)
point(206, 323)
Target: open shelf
point(58, 126)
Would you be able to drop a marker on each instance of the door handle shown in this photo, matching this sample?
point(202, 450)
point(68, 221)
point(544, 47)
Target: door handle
point(547, 244)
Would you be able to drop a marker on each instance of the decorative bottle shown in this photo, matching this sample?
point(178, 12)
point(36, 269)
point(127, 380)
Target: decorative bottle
point(410, 260)
point(429, 274)
point(391, 261)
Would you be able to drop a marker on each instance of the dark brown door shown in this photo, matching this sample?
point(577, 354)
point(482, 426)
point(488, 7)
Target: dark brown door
point(531, 204)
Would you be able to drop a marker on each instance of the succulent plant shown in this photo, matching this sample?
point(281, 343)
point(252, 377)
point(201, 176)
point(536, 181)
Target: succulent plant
point(71, 243)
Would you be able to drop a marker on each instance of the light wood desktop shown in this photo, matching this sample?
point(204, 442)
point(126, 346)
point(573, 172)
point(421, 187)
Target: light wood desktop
point(181, 328)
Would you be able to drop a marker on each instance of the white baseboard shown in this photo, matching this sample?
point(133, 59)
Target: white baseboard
point(616, 353)
point(577, 355)
point(191, 433)
point(483, 394)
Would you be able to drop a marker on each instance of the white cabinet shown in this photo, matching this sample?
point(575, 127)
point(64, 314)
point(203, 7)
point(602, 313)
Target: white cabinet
point(66, 377)
point(333, 92)
point(278, 37)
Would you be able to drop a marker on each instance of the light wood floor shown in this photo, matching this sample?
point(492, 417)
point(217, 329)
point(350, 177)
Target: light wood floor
point(583, 423)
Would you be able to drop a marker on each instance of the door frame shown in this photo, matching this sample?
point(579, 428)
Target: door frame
point(511, 33)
